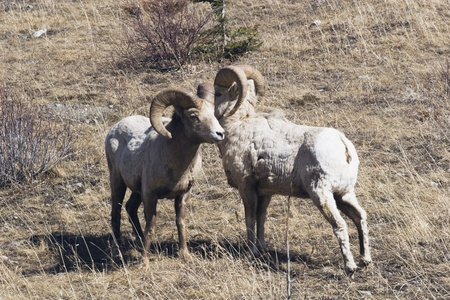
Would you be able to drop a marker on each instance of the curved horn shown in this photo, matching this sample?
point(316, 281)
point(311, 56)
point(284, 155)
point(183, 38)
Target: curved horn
point(253, 73)
point(227, 76)
point(206, 91)
point(167, 98)
point(240, 74)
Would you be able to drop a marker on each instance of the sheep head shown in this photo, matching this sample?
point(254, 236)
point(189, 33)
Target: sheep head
point(231, 82)
point(197, 114)
point(206, 91)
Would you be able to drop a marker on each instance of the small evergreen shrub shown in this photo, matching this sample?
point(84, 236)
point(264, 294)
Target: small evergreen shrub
point(222, 41)
point(167, 34)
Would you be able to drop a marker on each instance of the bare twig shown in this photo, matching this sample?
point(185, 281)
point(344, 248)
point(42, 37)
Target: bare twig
point(30, 143)
point(163, 33)
point(288, 271)
point(445, 74)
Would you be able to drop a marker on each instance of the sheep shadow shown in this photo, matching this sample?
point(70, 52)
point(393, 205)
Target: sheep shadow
point(273, 260)
point(75, 252)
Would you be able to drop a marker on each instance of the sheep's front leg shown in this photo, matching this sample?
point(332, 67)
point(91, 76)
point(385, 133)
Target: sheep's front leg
point(180, 208)
point(150, 202)
point(250, 199)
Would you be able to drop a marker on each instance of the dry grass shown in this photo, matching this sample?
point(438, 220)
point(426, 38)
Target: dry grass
point(374, 69)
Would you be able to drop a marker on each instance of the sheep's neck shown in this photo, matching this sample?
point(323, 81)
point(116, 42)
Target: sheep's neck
point(180, 142)
point(245, 111)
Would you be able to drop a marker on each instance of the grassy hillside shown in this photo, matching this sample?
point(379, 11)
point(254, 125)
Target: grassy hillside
point(376, 70)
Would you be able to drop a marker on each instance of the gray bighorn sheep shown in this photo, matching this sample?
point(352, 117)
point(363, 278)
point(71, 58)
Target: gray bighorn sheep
point(264, 154)
point(159, 158)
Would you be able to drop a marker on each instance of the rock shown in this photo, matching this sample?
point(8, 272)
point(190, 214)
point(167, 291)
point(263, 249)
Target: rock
point(39, 33)
point(365, 293)
point(315, 23)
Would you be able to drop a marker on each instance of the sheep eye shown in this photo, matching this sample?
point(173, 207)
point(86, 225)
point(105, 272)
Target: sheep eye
point(195, 118)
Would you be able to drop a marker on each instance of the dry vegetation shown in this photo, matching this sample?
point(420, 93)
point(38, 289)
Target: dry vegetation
point(376, 70)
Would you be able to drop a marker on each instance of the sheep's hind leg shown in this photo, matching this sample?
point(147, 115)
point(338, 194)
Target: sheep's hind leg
point(326, 203)
point(180, 208)
point(261, 213)
point(349, 205)
point(132, 207)
point(118, 189)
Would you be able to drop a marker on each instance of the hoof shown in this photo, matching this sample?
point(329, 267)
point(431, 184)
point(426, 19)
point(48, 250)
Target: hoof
point(364, 262)
point(139, 244)
point(256, 252)
point(116, 255)
point(184, 254)
point(350, 268)
point(145, 262)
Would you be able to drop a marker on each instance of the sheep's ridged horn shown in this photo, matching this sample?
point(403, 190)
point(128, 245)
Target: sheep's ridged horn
point(227, 76)
point(178, 97)
point(206, 91)
point(253, 73)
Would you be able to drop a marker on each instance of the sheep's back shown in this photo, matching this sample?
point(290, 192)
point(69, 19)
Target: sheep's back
point(125, 147)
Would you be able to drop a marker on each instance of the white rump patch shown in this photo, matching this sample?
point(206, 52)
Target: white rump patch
point(114, 143)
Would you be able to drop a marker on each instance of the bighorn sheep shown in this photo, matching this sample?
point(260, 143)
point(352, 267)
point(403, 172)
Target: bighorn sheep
point(159, 158)
point(264, 154)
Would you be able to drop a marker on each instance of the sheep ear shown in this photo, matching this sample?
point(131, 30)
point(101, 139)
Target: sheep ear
point(234, 91)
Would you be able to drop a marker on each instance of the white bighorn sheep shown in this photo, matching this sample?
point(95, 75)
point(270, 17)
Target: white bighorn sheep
point(264, 154)
point(159, 158)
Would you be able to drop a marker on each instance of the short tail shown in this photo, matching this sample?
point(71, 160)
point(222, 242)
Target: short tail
point(347, 153)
